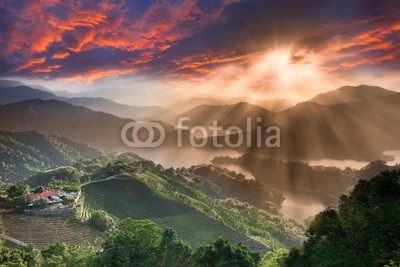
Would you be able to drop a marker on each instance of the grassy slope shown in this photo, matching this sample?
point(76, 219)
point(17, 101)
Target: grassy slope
point(120, 196)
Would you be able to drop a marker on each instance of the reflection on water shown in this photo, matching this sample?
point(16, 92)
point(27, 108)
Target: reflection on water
point(395, 154)
point(300, 207)
point(342, 164)
point(355, 164)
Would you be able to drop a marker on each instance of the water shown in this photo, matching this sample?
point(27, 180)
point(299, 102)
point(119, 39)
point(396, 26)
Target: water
point(395, 154)
point(355, 164)
point(300, 207)
point(341, 164)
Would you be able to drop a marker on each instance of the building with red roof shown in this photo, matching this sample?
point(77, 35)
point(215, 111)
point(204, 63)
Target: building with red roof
point(45, 194)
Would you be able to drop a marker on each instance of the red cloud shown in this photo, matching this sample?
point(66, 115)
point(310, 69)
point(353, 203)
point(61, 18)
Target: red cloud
point(39, 30)
point(352, 44)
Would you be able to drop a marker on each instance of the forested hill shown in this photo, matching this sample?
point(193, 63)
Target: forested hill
point(364, 231)
point(23, 154)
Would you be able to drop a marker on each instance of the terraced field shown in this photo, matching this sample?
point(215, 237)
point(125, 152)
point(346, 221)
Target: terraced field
point(121, 196)
point(44, 230)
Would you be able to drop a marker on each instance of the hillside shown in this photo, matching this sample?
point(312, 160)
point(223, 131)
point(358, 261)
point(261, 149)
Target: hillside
point(13, 94)
point(173, 197)
point(347, 94)
point(22, 154)
point(57, 117)
point(121, 196)
point(226, 115)
point(120, 110)
point(45, 230)
point(342, 130)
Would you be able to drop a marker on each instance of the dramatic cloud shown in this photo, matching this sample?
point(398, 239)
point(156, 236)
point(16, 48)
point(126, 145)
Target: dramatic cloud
point(258, 46)
point(40, 36)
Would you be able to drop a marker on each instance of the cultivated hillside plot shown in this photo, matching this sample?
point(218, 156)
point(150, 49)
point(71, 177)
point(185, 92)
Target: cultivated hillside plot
point(45, 230)
point(124, 195)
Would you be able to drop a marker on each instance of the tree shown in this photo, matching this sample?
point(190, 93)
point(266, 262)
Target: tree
point(134, 243)
point(274, 258)
point(173, 251)
point(61, 254)
point(39, 189)
point(40, 203)
point(101, 221)
point(18, 203)
point(365, 231)
point(17, 190)
point(222, 253)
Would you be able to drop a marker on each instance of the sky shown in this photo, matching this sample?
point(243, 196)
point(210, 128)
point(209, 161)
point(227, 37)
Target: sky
point(228, 48)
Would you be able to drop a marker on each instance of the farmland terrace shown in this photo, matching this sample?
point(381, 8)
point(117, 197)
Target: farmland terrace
point(45, 230)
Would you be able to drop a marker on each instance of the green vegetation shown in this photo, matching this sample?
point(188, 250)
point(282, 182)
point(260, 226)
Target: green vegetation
point(133, 243)
point(121, 196)
point(365, 231)
point(101, 221)
point(142, 243)
point(324, 183)
point(22, 154)
point(222, 253)
point(206, 194)
point(16, 197)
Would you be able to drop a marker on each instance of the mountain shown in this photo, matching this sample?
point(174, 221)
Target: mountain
point(354, 130)
point(57, 117)
point(23, 154)
point(275, 104)
point(139, 113)
point(361, 130)
point(10, 83)
point(190, 103)
point(226, 115)
point(13, 94)
point(13, 91)
point(347, 94)
point(269, 104)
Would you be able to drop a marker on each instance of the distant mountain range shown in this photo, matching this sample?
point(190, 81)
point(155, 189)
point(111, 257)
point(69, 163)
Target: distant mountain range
point(348, 94)
point(139, 113)
point(350, 130)
point(362, 126)
point(13, 91)
point(13, 94)
point(61, 118)
point(22, 154)
point(226, 115)
point(269, 104)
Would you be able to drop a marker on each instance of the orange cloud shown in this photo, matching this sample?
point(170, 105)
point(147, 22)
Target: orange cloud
point(60, 55)
point(32, 62)
point(359, 43)
point(106, 24)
